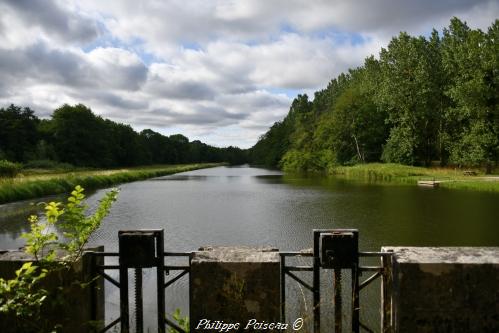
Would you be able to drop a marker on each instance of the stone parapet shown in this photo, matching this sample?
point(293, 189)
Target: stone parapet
point(441, 289)
point(234, 285)
point(80, 292)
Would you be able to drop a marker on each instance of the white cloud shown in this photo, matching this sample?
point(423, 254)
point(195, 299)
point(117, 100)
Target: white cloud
point(215, 70)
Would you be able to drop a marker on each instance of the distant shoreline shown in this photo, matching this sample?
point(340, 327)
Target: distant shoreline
point(390, 173)
point(35, 185)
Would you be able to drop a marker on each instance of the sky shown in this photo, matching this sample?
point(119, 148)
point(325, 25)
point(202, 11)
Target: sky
point(219, 71)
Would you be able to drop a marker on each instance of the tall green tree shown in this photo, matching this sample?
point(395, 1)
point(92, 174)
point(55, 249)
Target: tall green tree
point(470, 60)
point(80, 137)
point(411, 95)
point(18, 133)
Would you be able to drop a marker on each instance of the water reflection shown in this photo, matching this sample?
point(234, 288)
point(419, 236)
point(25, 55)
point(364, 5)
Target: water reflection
point(253, 206)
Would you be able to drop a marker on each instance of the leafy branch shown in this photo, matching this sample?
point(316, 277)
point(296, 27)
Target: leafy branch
point(23, 296)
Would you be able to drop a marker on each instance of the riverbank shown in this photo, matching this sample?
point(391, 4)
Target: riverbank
point(403, 174)
point(34, 184)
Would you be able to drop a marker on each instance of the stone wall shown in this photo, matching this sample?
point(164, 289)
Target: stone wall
point(81, 308)
point(441, 289)
point(234, 285)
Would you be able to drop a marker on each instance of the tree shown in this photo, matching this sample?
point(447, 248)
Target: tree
point(18, 132)
point(80, 137)
point(470, 60)
point(411, 96)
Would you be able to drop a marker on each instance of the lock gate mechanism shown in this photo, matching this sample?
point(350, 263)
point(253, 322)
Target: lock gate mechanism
point(140, 249)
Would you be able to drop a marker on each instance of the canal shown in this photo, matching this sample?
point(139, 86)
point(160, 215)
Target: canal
point(260, 207)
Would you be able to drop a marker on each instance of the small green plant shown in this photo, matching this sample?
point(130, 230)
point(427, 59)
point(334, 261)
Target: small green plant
point(182, 322)
point(234, 288)
point(21, 295)
point(9, 169)
point(24, 296)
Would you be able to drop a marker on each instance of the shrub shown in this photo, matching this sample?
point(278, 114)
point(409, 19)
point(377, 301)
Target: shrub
point(25, 297)
point(48, 164)
point(9, 169)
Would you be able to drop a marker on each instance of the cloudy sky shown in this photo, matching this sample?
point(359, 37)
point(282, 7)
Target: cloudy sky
point(220, 71)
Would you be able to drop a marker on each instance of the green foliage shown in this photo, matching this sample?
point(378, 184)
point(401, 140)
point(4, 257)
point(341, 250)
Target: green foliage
point(48, 165)
point(182, 322)
point(9, 169)
point(74, 135)
point(400, 148)
point(303, 161)
point(76, 225)
point(37, 186)
point(18, 132)
point(397, 174)
point(475, 146)
point(424, 100)
point(23, 296)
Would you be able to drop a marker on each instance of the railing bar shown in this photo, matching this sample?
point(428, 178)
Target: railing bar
point(370, 268)
point(110, 325)
point(110, 279)
point(300, 281)
point(177, 254)
point(366, 328)
point(375, 254)
point(175, 326)
point(170, 282)
point(104, 254)
point(369, 280)
point(108, 266)
point(296, 254)
point(176, 268)
point(171, 268)
point(299, 268)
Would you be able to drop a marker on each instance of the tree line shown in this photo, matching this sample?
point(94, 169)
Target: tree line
point(75, 135)
point(423, 101)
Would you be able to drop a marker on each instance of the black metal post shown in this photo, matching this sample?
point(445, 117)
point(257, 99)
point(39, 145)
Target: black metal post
point(160, 270)
point(93, 285)
point(283, 289)
point(139, 314)
point(317, 284)
point(124, 321)
point(355, 298)
point(338, 325)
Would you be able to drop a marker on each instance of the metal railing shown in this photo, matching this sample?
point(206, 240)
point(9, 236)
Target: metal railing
point(335, 250)
point(167, 269)
point(315, 287)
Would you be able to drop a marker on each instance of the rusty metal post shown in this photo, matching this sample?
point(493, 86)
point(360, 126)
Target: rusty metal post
point(386, 297)
point(338, 325)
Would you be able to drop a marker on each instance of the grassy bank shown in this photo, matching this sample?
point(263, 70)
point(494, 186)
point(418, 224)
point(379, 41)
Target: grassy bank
point(39, 183)
point(402, 174)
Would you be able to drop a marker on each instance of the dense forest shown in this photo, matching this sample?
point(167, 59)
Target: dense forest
point(75, 135)
point(423, 101)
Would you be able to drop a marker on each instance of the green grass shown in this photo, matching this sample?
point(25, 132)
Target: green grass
point(39, 183)
point(402, 174)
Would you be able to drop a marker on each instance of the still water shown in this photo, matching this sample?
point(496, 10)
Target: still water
point(258, 207)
